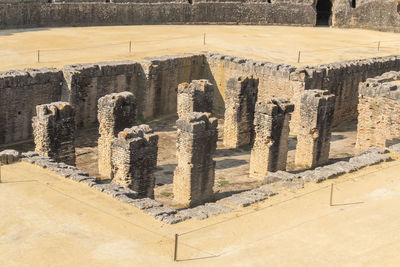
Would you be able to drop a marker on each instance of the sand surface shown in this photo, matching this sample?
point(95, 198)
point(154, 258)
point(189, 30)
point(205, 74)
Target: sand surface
point(50, 221)
point(278, 44)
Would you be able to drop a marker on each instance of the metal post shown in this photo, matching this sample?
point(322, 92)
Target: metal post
point(38, 56)
point(204, 39)
point(176, 247)
point(298, 57)
point(330, 201)
point(379, 45)
point(130, 46)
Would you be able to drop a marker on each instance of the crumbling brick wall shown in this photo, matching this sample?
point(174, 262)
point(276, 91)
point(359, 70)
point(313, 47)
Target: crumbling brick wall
point(195, 97)
point(378, 116)
point(54, 131)
point(196, 143)
point(241, 97)
point(314, 136)
point(115, 112)
point(134, 159)
point(271, 128)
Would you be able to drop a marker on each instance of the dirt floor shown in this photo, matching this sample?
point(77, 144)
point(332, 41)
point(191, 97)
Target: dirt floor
point(51, 221)
point(278, 44)
point(232, 166)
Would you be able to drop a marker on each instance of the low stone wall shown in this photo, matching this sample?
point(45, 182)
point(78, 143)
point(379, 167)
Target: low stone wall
point(32, 15)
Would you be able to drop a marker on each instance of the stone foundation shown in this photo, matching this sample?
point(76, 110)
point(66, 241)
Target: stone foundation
point(196, 143)
point(195, 97)
point(316, 117)
point(271, 128)
point(378, 111)
point(115, 112)
point(241, 97)
point(134, 160)
point(54, 132)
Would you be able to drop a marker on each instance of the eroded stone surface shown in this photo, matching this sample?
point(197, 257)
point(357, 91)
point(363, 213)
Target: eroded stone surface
point(195, 97)
point(116, 112)
point(54, 131)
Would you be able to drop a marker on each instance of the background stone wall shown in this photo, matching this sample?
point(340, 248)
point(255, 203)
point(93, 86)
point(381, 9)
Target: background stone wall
point(381, 15)
point(34, 15)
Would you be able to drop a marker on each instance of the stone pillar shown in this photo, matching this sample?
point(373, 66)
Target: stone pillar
point(195, 97)
point(271, 128)
point(115, 112)
point(240, 99)
point(195, 173)
point(134, 159)
point(314, 136)
point(54, 131)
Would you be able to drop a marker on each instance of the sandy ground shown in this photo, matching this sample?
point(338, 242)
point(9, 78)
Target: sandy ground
point(232, 165)
point(50, 221)
point(279, 44)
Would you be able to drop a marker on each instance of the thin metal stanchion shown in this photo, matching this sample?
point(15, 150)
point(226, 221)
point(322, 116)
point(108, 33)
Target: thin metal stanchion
point(330, 200)
point(379, 45)
point(176, 247)
point(38, 56)
point(204, 39)
point(298, 57)
point(130, 46)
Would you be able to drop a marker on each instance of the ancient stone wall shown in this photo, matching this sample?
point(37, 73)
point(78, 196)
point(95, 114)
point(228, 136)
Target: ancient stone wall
point(196, 143)
point(87, 83)
point(164, 76)
point(314, 136)
point(54, 132)
point(33, 15)
point(241, 97)
point(271, 128)
point(20, 93)
point(379, 111)
point(195, 97)
point(134, 159)
point(116, 112)
point(381, 15)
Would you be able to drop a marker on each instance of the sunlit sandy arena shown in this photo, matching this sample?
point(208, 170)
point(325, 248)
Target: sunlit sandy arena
point(278, 44)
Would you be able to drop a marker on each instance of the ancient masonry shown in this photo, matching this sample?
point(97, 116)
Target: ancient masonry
point(116, 112)
point(240, 100)
point(134, 160)
point(271, 128)
point(195, 173)
point(316, 117)
point(378, 111)
point(54, 131)
point(195, 97)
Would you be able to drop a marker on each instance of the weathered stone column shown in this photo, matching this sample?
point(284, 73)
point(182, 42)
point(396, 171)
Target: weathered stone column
point(240, 100)
point(134, 159)
point(196, 143)
point(115, 112)
point(54, 131)
point(314, 136)
point(195, 97)
point(271, 128)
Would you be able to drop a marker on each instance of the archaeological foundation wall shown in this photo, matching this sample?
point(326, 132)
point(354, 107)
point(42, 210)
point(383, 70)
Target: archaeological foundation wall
point(155, 84)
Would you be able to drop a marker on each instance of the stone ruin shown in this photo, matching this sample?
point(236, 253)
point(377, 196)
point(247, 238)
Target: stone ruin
point(240, 100)
point(116, 112)
point(196, 143)
point(271, 127)
point(378, 111)
point(54, 131)
point(314, 136)
point(195, 97)
point(134, 159)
